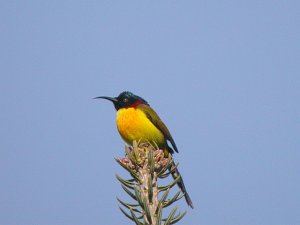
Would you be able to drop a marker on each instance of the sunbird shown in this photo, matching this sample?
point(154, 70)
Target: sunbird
point(137, 121)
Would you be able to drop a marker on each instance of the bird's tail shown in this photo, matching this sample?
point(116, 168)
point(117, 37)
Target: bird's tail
point(175, 174)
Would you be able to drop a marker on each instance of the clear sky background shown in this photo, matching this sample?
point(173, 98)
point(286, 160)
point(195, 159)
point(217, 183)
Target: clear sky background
point(223, 75)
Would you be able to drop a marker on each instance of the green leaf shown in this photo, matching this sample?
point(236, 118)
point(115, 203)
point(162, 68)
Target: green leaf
point(174, 167)
point(130, 156)
point(135, 219)
point(129, 192)
point(167, 166)
point(147, 211)
point(135, 144)
point(151, 162)
point(150, 189)
point(164, 175)
point(126, 214)
point(136, 177)
point(136, 155)
point(170, 217)
point(175, 181)
point(130, 206)
point(132, 173)
point(121, 164)
point(125, 182)
point(178, 218)
point(163, 198)
point(172, 200)
point(159, 214)
point(138, 197)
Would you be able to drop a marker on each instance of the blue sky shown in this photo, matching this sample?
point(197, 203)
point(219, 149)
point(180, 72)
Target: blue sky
point(223, 75)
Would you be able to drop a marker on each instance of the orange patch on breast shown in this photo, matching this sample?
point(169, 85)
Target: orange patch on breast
point(133, 124)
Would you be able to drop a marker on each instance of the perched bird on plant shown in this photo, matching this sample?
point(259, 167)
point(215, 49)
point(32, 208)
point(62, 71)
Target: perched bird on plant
point(137, 121)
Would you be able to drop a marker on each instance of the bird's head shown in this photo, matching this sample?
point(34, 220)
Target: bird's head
point(125, 100)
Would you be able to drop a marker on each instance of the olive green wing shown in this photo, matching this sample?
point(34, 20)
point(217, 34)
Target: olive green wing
point(158, 123)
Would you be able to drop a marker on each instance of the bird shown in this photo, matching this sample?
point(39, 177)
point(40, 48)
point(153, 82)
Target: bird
point(137, 121)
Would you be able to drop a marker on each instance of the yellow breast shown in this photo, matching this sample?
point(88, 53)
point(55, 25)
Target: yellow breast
point(133, 124)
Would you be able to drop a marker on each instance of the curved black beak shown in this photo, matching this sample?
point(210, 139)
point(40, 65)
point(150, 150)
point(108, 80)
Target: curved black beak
point(114, 100)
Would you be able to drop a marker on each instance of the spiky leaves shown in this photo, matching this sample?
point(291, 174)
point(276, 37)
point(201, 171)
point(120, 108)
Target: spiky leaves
point(146, 165)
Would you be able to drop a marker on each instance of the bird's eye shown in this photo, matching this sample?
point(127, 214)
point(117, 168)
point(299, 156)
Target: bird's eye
point(125, 100)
